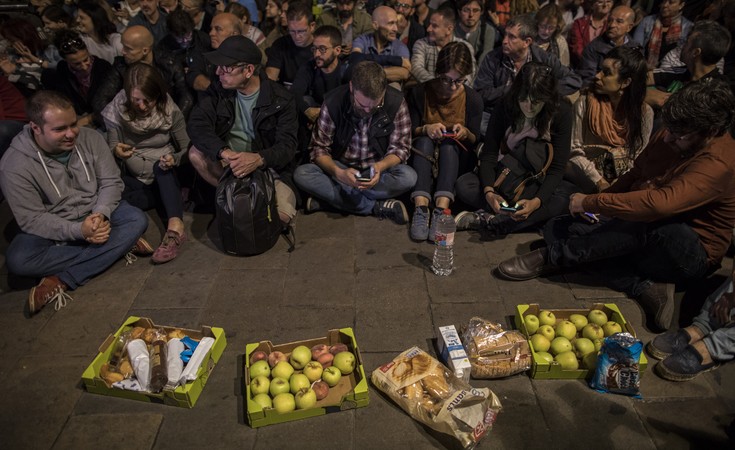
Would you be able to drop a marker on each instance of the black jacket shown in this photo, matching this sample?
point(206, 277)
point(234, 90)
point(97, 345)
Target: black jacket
point(64, 81)
point(274, 119)
point(173, 76)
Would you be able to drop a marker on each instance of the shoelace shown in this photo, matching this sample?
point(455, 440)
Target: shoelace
point(169, 237)
point(421, 218)
point(130, 258)
point(59, 297)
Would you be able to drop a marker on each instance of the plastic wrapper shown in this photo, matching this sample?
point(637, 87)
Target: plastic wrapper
point(493, 352)
point(617, 365)
point(430, 393)
point(139, 358)
point(174, 364)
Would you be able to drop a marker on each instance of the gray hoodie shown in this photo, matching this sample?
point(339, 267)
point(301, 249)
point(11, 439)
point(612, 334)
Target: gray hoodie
point(51, 200)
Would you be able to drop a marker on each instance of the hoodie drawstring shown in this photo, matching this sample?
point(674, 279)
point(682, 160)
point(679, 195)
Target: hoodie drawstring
point(48, 174)
point(84, 164)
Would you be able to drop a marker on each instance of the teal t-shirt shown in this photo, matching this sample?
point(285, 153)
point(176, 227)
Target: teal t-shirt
point(242, 134)
point(63, 158)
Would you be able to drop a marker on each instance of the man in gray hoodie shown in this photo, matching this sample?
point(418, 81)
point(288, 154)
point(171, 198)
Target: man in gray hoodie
point(64, 188)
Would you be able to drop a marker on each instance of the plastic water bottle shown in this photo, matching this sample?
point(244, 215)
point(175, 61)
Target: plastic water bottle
point(444, 250)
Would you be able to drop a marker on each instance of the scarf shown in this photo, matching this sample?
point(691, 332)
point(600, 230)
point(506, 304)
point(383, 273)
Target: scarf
point(115, 114)
point(439, 111)
point(654, 43)
point(602, 122)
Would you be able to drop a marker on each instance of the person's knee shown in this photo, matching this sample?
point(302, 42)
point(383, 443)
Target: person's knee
point(132, 218)
point(305, 173)
point(404, 175)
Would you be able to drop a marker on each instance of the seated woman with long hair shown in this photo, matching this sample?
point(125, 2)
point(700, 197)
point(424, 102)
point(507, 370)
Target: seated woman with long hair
point(98, 32)
point(531, 114)
point(612, 123)
point(445, 119)
point(147, 131)
point(550, 22)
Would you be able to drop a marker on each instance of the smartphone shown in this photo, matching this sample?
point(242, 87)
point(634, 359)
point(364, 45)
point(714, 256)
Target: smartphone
point(507, 208)
point(366, 175)
point(593, 217)
point(449, 134)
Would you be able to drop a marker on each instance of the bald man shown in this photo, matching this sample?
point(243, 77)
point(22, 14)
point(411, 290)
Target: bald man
point(138, 42)
point(201, 71)
point(152, 17)
point(383, 46)
point(619, 23)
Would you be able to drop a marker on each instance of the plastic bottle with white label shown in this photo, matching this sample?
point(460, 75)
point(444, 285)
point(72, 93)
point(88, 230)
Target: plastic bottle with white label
point(444, 250)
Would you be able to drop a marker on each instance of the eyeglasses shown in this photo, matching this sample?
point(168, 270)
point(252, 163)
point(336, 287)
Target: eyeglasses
point(446, 81)
point(403, 5)
point(471, 10)
point(681, 137)
point(72, 46)
point(298, 32)
point(368, 109)
point(230, 69)
point(322, 49)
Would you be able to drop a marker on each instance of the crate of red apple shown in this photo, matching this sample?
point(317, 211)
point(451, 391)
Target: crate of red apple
point(304, 379)
point(565, 342)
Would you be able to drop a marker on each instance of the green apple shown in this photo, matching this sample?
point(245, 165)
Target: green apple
point(331, 376)
point(611, 328)
point(593, 331)
point(264, 400)
point(260, 368)
point(546, 331)
point(300, 356)
point(546, 356)
point(560, 344)
point(278, 386)
point(565, 329)
point(590, 361)
point(598, 344)
point(260, 385)
point(282, 370)
point(305, 398)
point(313, 371)
point(578, 320)
point(345, 362)
point(583, 347)
point(597, 317)
point(284, 402)
point(531, 323)
point(540, 343)
point(567, 360)
point(547, 318)
point(298, 381)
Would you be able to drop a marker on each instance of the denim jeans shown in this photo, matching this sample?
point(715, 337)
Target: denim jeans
point(77, 262)
point(719, 338)
point(630, 255)
point(393, 182)
point(164, 193)
point(452, 162)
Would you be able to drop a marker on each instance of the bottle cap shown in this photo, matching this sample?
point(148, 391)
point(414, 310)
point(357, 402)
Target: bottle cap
point(447, 211)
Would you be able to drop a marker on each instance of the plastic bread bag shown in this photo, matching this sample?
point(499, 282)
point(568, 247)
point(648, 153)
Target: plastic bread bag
point(430, 393)
point(174, 364)
point(139, 358)
point(493, 352)
point(617, 366)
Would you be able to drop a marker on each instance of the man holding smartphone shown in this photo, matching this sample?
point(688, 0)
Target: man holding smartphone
point(359, 148)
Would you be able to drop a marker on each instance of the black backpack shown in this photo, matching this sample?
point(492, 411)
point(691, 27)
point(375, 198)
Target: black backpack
point(246, 213)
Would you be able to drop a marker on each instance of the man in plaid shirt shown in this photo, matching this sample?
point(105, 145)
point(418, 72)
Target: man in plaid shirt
point(359, 148)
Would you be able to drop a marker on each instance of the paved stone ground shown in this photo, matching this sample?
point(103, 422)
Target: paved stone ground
point(346, 271)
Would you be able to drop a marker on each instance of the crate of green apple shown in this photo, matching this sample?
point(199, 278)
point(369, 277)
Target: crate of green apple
point(303, 379)
point(565, 342)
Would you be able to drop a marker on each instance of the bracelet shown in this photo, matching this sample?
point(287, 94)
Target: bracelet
point(488, 190)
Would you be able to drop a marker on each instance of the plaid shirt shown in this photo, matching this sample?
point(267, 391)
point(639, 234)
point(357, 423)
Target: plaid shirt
point(359, 155)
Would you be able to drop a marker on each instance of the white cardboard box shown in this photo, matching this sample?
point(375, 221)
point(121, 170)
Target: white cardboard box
point(453, 352)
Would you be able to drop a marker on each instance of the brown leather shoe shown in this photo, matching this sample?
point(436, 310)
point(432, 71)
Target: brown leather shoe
point(658, 303)
point(524, 267)
point(142, 247)
point(50, 289)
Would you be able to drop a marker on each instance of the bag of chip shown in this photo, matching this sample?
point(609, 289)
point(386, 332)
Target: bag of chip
point(617, 366)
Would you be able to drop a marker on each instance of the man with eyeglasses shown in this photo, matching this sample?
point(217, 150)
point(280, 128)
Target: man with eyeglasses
point(152, 17)
point(384, 47)
point(617, 34)
point(288, 53)
point(351, 22)
point(201, 72)
point(245, 122)
point(359, 149)
point(667, 220)
point(439, 34)
point(409, 30)
point(472, 27)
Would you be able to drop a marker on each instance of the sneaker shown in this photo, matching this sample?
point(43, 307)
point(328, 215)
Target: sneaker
point(312, 205)
point(666, 344)
point(434, 223)
point(50, 289)
point(142, 248)
point(391, 209)
point(684, 365)
point(657, 302)
point(468, 220)
point(169, 247)
point(420, 224)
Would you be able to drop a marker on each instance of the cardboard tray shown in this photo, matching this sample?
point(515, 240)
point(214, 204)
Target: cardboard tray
point(350, 393)
point(540, 369)
point(184, 396)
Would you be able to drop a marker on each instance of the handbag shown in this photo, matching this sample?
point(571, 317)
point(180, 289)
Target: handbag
point(247, 217)
point(521, 171)
point(610, 162)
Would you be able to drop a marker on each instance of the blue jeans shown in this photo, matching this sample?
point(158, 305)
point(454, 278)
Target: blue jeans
point(164, 193)
point(719, 338)
point(452, 162)
point(77, 262)
point(393, 182)
point(630, 255)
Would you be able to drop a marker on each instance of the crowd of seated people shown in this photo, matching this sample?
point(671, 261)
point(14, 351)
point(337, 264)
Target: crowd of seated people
point(367, 107)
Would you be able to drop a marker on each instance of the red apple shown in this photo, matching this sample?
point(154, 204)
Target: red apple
point(276, 357)
point(338, 348)
point(321, 389)
point(326, 360)
point(257, 356)
point(318, 350)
